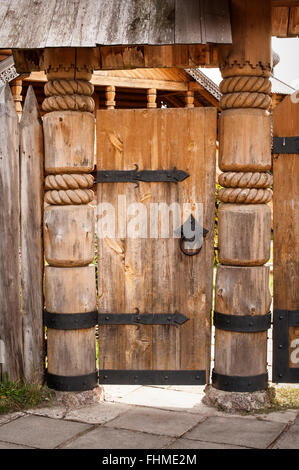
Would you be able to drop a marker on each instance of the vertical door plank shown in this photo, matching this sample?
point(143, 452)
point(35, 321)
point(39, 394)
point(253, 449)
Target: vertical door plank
point(10, 315)
point(286, 219)
point(31, 161)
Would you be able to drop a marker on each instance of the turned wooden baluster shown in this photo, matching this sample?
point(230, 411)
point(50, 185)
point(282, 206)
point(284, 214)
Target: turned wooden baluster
point(151, 98)
point(69, 228)
point(110, 97)
point(189, 99)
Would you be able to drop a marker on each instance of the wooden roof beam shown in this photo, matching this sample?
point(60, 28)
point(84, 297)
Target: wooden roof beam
point(123, 82)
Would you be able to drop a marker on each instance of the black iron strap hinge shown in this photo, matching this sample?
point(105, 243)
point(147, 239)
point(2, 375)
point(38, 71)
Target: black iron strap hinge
point(242, 323)
point(175, 319)
point(78, 321)
point(286, 144)
point(135, 176)
point(70, 321)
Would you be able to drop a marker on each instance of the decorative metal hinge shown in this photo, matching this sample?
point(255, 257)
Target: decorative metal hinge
point(286, 145)
point(134, 176)
point(175, 319)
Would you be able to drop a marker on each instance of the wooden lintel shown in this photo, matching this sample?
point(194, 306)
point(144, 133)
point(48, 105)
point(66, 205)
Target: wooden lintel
point(122, 82)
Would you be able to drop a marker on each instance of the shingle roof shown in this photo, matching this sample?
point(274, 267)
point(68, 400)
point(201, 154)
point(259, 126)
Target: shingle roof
point(35, 24)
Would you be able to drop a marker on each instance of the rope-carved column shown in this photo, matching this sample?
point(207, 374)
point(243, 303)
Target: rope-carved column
point(70, 288)
point(242, 299)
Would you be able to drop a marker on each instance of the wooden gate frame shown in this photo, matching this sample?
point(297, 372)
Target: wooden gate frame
point(286, 244)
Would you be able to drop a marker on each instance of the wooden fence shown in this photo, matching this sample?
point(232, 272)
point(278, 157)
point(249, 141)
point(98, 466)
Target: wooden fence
point(21, 247)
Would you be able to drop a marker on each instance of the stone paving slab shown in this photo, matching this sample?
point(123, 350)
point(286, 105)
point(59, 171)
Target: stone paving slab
point(106, 438)
point(40, 432)
point(289, 440)
point(56, 412)
point(118, 391)
point(97, 414)
point(188, 444)
point(258, 434)
point(168, 423)
point(161, 398)
point(287, 416)
point(8, 445)
point(10, 417)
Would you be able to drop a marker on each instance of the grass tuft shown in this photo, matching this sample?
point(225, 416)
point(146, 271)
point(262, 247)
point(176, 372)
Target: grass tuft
point(18, 395)
point(285, 397)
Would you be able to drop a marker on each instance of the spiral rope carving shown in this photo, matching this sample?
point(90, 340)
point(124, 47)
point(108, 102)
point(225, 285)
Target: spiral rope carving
point(239, 83)
point(68, 103)
point(68, 87)
point(245, 180)
point(69, 181)
point(245, 100)
point(69, 196)
point(245, 195)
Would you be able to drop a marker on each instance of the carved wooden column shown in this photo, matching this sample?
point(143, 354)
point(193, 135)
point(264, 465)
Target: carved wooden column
point(70, 288)
point(242, 299)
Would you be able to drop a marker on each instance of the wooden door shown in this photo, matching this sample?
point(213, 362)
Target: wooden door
point(286, 242)
point(153, 275)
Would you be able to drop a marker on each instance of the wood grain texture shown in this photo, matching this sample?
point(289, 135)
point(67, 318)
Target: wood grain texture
point(70, 290)
point(244, 233)
point(241, 291)
point(69, 142)
point(286, 211)
point(66, 23)
point(293, 29)
point(251, 37)
point(32, 162)
point(10, 311)
point(153, 274)
point(280, 21)
point(69, 235)
point(286, 221)
point(237, 129)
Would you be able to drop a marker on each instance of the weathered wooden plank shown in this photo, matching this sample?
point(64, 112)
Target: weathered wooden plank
point(280, 21)
point(123, 22)
point(40, 15)
point(286, 221)
point(286, 210)
point(32, 267)
point(89, 13)
point(3, 10)
point(12, 26)
point(216, 22)
point(293, 29)
point(63, 22)
point(10, 314)
point(188, 21)
point(162, 22)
